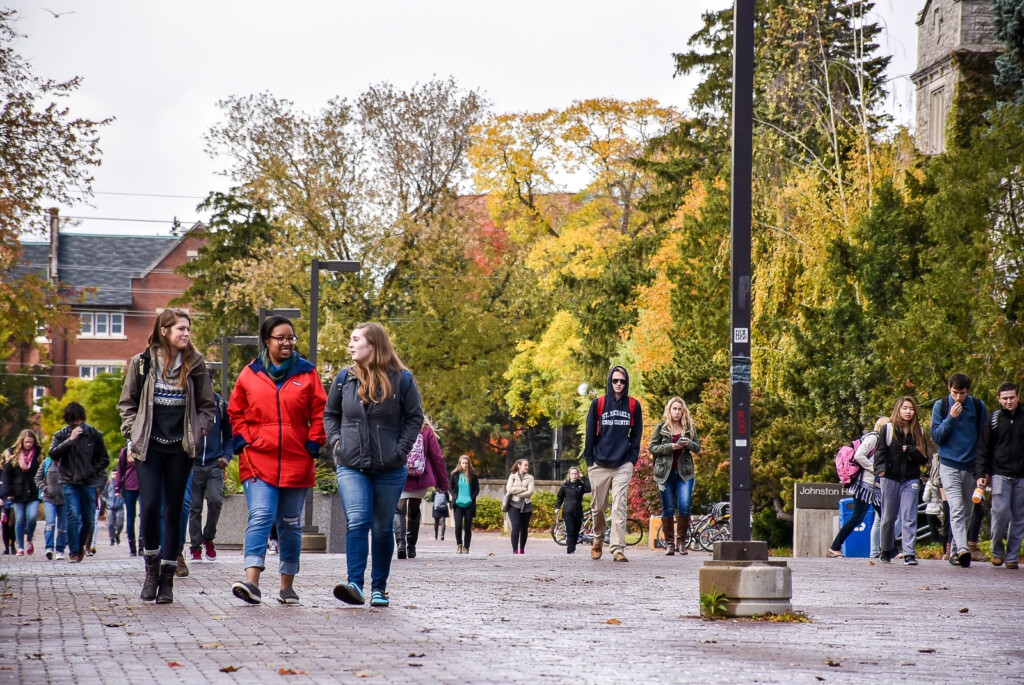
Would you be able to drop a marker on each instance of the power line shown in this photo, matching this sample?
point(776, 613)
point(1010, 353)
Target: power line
point(126, 194)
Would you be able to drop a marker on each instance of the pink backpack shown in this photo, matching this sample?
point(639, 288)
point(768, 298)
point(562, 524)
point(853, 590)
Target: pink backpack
point(416, 462)
point(846, 467)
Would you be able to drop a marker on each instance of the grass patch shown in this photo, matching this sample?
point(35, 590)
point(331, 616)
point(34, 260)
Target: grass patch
point(784, 617)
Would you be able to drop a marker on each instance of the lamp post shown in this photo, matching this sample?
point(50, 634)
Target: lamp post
point(740, 567)
point(226, 341)
point(316, 267)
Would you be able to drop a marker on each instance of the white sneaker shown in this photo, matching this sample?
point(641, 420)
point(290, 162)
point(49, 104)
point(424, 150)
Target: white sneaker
point(272, 547)
point(60, 556)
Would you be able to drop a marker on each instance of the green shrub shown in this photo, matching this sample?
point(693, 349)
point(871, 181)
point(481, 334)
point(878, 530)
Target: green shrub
point(543, 511)
point(232, 483)
point(326, 478)
point(489, 515)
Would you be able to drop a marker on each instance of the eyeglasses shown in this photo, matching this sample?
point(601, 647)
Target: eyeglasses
point(284, 339)
point(618, 381)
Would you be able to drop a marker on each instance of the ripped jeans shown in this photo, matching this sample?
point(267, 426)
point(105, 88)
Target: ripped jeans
point(269, 505)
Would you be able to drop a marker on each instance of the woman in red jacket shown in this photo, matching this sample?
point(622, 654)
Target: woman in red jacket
point(277, 417)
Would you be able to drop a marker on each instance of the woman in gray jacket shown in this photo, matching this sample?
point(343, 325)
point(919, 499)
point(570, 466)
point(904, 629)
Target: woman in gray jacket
point(673, 445)
point(372, 419)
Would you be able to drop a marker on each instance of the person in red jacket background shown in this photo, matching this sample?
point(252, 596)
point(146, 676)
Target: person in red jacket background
point(425, 469)
point(277, 417)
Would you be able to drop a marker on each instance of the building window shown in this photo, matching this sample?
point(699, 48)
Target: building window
point(101, 325)
point(38, 393)
point(91, 370)
point(937, 121)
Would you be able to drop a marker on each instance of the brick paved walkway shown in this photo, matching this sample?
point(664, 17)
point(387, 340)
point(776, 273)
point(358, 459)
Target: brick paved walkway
point(493, 617)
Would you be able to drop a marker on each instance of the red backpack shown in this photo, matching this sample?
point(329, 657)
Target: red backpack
point(600, 412)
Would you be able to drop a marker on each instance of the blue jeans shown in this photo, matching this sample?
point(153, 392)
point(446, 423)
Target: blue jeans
point(26, 515)
point(56, 518)
point(269, 504)
point(675, 498)
point(131, 505)
point(81, 502)
point(369, 500)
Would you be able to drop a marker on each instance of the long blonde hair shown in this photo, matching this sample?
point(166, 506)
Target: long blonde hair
point(189, 356)
point(374, 383)
point(686, 420)
point(14, 452)
point(469, 470)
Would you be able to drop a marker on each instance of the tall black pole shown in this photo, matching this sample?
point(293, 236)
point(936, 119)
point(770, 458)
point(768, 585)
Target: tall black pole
point(742, 177)
point(225, 351)
point(314, 308)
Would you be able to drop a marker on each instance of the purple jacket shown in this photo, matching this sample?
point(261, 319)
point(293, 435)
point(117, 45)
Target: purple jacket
point(126, 478)
point(434, 475)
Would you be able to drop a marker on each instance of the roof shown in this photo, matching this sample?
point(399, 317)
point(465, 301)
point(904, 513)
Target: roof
point(106, 263)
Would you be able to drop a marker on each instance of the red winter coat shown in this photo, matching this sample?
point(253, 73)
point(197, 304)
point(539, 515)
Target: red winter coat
point(278, 429)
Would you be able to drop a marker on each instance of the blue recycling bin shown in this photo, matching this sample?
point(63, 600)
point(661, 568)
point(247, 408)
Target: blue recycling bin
point(858, 544)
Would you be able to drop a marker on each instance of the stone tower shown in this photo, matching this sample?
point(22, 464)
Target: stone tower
point(947, 32)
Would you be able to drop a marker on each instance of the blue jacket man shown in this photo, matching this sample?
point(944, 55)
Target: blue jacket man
point(212, 457)
point(956, 427)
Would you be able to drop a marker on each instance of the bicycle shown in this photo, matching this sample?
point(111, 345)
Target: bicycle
point(705, 530)
point(634, 529)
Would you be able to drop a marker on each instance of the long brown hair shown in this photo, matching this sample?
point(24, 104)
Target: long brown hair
point(470, 471)
point(685, 419)
point(914, 428)
point(374, 383)
point(189, 356)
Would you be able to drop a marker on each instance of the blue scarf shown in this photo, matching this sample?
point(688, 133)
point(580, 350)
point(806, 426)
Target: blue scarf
point(278, 373)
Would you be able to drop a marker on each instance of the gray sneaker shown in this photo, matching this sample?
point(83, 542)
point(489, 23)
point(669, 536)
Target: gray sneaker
point(288, 596)
point(247, 592)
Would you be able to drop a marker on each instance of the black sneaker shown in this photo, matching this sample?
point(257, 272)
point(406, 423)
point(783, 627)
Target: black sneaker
point(288, 596)
point(401, 554)
point(247, 592)
point(953, 560)
point(964, 558)
point(884, 558)
point(910, 560)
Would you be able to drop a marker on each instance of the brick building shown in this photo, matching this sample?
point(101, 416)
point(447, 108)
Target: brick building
point(123, 282)
point(949, 33)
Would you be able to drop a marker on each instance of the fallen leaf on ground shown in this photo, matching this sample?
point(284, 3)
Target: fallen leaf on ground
point(230, 669)
point(871, 563)
point(613, 622)
point(113, 625)
point(927, 651)
point(414, 655)
point(211, 645)
point(174, 664)
point(832, 664)
point(964, 610)
point(288, 671)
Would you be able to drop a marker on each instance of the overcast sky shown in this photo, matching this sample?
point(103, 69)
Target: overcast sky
point(160, 68)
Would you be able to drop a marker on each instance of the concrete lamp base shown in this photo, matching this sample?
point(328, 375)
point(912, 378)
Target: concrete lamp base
point(314, 542)
point(751, 584)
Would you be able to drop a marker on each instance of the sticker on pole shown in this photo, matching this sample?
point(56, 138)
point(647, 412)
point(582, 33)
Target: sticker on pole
point(741, 443)
point(741, 335)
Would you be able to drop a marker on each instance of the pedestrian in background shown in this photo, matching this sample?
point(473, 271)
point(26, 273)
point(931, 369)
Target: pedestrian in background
point(569, 501)
point(932, 497)
point(115, 509)
point(424, 469)
point(167, 407)
point(520, 486)
point(440, 509)
point(373, 418)
point(673, 444)
point(128, 486)
point(864, 489)
point(19, 486)
point(464, 486)
point(1000, 464)
point(79, 450)
point(208, 484)
point(898, 464)
point(55, 535)
point(277, 413)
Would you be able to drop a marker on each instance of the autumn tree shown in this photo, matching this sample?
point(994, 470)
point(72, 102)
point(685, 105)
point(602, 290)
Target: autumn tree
point(46, 159)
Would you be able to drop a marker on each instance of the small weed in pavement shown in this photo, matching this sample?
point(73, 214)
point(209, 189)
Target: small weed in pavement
point(784, 617)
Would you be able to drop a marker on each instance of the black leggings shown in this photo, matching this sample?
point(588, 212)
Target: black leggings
point(163, 477)
point(977, 516)
point(520, 527)
point(573, 522)
point(463, 525)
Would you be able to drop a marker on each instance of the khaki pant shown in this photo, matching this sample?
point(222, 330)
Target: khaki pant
point(616, 480)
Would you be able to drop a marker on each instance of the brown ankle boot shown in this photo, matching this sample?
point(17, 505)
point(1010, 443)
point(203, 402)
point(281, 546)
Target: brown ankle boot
point(682, 533)
point(976, 554)
point(945, 553)
point(669, 533)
